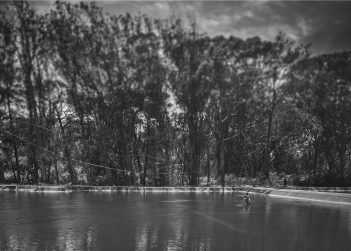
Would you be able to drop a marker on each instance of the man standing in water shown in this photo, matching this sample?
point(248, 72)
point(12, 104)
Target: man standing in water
point(247, 198)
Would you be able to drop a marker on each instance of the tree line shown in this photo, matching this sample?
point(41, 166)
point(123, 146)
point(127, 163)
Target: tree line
point(93, 98)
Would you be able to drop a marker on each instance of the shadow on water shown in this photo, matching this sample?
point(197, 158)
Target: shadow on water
point(197, 221)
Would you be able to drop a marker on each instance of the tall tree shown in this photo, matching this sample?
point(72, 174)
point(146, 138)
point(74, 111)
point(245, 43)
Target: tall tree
point(189, 52)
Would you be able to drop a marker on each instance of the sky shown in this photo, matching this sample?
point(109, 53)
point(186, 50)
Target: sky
point(324, 24)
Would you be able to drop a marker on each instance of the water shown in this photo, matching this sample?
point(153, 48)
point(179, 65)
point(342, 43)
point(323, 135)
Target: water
point(115, 221)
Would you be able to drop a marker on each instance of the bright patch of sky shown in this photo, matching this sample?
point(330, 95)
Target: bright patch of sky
point(325, 24)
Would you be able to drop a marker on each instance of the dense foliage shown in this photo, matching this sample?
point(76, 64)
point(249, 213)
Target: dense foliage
point(88, 98)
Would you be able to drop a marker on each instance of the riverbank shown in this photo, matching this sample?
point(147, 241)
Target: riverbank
point(48, 188)
point(332, 195)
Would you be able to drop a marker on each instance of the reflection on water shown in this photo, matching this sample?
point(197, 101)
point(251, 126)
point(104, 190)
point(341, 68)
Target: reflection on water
point(111, 221)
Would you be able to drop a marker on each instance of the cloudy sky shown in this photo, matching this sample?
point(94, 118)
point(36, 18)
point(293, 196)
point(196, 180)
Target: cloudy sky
point(325, 24)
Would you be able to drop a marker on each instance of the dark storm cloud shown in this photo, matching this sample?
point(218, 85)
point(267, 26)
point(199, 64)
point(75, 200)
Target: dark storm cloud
point(327, 25)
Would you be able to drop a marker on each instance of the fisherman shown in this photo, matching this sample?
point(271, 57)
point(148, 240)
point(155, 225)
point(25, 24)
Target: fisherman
point(247, 198)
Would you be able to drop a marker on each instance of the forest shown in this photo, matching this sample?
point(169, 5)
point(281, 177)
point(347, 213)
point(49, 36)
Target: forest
point(92, 98)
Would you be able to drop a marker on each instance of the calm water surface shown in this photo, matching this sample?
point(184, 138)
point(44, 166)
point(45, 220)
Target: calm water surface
point(115, 221)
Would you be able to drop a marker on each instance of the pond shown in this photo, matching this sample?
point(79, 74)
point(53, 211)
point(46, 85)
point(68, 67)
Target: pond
point(168, 221)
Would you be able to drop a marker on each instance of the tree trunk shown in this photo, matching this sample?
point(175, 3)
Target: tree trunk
point(56, 172)
point(32, 109)
point(221, 160)
point(17, 168)
point(194, 155)
point(70, 168)
point(267, 149)
point(2, 176)
point(342, 153)
point(67, 152)
point(208, 170)
point(315, 157)
point(27, 39)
